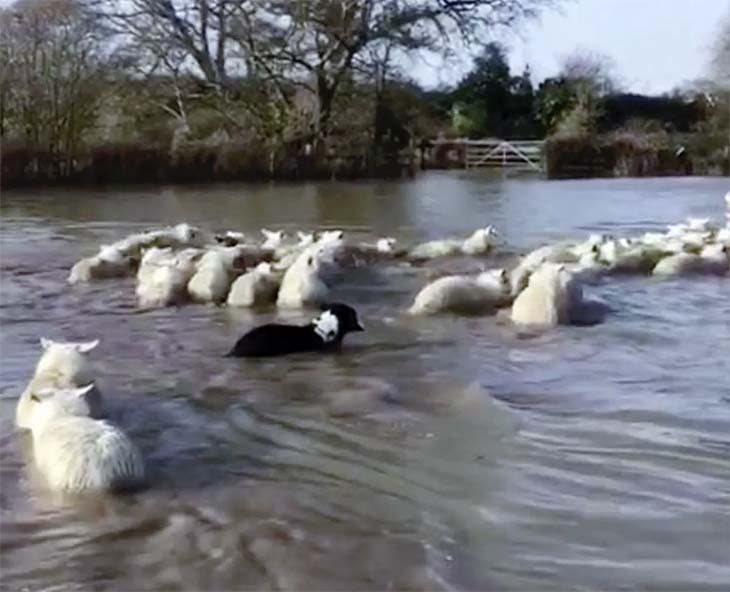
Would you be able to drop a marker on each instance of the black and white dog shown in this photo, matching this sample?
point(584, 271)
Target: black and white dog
point(323, 333)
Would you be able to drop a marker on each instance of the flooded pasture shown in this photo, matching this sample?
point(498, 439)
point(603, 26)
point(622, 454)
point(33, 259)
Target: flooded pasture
point(430, 453)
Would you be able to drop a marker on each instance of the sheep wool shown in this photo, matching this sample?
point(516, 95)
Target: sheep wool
point(62, 365)
point(254, 288)
point(548, 299)
point(76, 453)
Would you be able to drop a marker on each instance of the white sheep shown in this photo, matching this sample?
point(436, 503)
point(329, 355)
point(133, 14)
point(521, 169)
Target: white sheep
point(591, 245)
point(62, 365)
point(77, 453)
point(436, 248)
point(700, 224)
point(385, 245)
point(255, 288)
point(211, 280)
point(175, 237)
point(273, 239)
point(463, 294)
point(163, 276)
point(327, 237)
point(626, 256)
point(109, 262)
point(303, 283)
point(285, 255)
point(589, 267)
point(549, 298)
point(234, 257)
point(556, 253)
point(723, 235)
point(480, 242)
point(230, 238)
point(712, 260)
point(305, 239)
point(182, 235)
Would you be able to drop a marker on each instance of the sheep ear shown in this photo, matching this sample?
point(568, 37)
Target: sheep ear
point(46, 343)
point(325, 306)
point(87, 346)
point(43, 393)
point(81, 391)
point(266, 232)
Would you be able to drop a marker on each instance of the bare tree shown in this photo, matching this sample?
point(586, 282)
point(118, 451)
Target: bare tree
point(52, 74)
point(592, 69)
point(290, 43)
point(196, 29)
point(319, 42)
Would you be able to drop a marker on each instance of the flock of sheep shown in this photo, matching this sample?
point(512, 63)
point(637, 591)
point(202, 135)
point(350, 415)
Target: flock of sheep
point(76, 449)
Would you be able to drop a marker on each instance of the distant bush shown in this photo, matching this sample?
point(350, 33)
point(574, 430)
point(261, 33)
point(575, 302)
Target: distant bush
point(621, 154)
point(674, 113)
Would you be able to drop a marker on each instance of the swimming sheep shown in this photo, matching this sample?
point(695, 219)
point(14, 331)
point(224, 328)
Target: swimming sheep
point(589, 268)
point(712, 260)
point(626, 256)
point(163, 276)
point(592, 244)
point(286, 255)
point(62, 365)
point(116, 260)
point(255, 288)
point(230, 238)
point(557, 253)
point(273, 239)
point(77, 453)
point(303, 283)
point(175, 237)
point(434, 249)
point(549, 298)
point(463, 294)
point(383, 248)
point(385, 245)
point(480, 242)
point(109, 262)
point(211, 280)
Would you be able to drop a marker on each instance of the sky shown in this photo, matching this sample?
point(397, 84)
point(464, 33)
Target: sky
point(656, 45)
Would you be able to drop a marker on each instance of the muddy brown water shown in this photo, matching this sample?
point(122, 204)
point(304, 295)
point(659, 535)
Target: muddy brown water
point(442, 453)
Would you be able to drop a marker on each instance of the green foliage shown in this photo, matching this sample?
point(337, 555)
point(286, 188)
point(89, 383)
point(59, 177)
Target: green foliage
point(489, 101)
point(554, 97)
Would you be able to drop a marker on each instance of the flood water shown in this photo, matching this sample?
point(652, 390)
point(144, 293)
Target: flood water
point(439, 453)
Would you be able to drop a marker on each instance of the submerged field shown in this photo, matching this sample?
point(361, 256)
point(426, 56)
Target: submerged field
point(431, 453)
